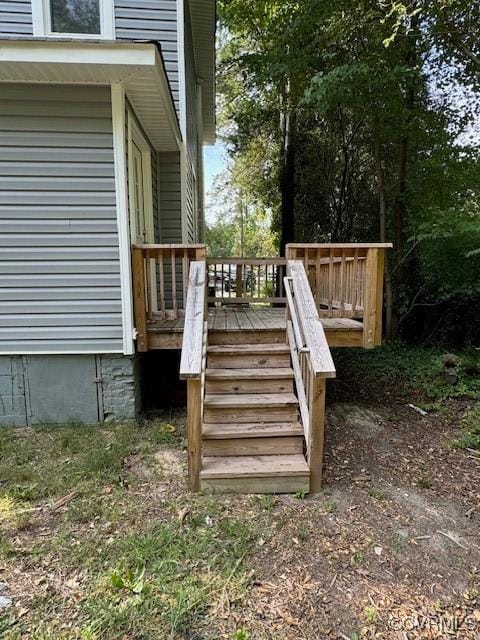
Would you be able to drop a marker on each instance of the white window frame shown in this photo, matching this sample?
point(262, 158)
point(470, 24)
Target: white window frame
point(42, 22)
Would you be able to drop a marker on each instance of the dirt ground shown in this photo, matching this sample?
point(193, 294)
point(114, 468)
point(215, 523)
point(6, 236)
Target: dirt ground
point(389, 549)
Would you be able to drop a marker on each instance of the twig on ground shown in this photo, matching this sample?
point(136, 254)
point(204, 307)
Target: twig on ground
point(65, 500)
point(452, 539)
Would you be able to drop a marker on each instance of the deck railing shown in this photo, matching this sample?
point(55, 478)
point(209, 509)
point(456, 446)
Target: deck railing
point(160, 283)
point(193, 366)
point(346, 281)
point(246, 280)
point(312, 364)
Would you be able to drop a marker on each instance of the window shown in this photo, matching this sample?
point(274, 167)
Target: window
point(74, 18)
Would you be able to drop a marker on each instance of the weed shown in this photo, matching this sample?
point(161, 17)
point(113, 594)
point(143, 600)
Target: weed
point(377, 494)
point(357, 558)
point(330, 506)
point(301, 494)
point(371, 614)
point(401, 541)
point(266, 501)
point(424, 481)
point(241, 634)
point(471, 430)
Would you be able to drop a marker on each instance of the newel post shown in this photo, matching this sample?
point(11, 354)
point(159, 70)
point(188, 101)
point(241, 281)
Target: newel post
point(316, 431)
point(140, 302)
point(194, 431)
point(373, 303)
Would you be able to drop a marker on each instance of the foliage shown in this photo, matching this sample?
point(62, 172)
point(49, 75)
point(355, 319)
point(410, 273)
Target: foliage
point(385, 144)
point(412, 368)
point(471, 429)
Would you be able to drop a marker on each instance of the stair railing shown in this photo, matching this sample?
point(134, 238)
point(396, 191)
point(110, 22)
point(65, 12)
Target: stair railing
point(160, 281)
point(193, 366)
point(246, 280)
point(347, 282)
point(312, 364)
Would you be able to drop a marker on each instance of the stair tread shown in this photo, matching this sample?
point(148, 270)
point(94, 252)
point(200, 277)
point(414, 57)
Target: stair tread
point(251, 400)
point(249, 349)
point(263, 466)
point(251, 430)
point(247, 374)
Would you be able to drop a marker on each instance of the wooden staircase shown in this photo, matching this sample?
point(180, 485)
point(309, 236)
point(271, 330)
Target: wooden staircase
point(256, 409)
point(252, 440)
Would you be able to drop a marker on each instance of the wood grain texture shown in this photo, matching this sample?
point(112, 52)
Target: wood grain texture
point(192, 352)
point(312, 329)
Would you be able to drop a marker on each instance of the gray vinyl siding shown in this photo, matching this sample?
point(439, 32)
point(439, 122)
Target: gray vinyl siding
point(15, 18)
point(170, 197)
point(152, 20)
point(60, 284)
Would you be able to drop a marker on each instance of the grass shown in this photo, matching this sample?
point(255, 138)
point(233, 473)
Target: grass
point(116, 562)
point(415, 368)
point(471, 429)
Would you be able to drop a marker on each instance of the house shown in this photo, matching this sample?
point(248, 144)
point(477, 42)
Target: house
point(105, 106)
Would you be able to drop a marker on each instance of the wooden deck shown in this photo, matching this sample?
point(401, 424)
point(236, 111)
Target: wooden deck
point(248, 321)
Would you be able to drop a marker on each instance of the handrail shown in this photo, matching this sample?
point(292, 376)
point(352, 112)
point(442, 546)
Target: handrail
point(314, 335)
point(193, 366)
point(191, 359)
point(312, 364)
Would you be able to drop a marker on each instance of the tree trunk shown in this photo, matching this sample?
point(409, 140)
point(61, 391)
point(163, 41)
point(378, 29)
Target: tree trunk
point(287, 179)
point(400, 207)
point(382, 201)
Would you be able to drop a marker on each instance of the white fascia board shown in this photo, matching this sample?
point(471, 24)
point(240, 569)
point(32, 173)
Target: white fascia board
point(182, 74)
point(130, 54)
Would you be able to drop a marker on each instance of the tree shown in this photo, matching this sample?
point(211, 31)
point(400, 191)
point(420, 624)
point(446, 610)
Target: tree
point(366, 88)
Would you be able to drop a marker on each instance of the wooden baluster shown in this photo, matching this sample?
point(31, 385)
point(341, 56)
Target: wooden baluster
point(161, 277)
point(148, 285)
point(331, 282)
point(239, 281)
point(258, 282)
point(185, 271)
point(138, 269)
point(342, 284)
point(173, 263)
point(317, 278)
point(355, 283)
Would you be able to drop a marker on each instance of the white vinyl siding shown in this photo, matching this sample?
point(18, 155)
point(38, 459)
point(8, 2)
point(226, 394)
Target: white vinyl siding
point(60, 287)
point(15, 18)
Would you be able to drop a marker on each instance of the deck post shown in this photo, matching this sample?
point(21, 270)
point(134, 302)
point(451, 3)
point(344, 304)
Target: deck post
point(194, 431)
point(140, 302)
point(200, 253)
point(373, 303)
point(316, 431)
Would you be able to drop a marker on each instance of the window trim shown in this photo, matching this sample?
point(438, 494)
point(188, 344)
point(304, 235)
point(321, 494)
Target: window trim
point(42, 22)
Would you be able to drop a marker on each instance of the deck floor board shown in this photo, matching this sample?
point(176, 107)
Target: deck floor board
point(250, 319)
